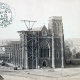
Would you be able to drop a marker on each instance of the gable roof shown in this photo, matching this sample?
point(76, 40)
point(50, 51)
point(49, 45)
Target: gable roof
point(34, 29)
point(37, 29)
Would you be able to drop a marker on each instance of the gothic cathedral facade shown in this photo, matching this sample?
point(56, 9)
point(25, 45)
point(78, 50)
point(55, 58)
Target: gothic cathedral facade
point(42, 47)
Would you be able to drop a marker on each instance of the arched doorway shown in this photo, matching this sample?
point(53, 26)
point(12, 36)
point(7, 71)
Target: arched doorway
point(44, 64)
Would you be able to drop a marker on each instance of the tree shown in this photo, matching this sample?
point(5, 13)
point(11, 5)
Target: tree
point(78, 55)
point(68, 53)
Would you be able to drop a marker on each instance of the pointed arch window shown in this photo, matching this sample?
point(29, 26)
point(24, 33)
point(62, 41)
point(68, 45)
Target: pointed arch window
point(44, 33)
point(57, 55)
point(44, 49)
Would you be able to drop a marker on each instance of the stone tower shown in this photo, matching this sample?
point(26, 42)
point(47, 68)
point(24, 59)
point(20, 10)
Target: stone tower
point(56, 28)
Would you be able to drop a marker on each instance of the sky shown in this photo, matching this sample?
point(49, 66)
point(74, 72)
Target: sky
point(40, 11)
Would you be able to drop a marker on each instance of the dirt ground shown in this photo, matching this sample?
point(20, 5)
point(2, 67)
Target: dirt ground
point(44, 74)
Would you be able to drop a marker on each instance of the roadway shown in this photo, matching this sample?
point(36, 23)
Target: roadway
point(39, 74)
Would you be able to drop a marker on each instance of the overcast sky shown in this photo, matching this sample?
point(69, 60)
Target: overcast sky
point(41, 10)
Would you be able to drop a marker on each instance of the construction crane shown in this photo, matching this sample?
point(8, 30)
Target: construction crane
point(29, 27)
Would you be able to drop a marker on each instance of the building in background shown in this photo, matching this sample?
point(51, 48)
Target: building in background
point(13, 48)
point(3, 55)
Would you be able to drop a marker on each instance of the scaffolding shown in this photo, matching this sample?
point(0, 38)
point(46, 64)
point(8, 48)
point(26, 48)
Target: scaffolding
point(30, 46)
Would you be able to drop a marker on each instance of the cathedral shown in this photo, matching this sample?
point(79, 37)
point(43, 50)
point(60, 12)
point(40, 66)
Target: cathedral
point(43, 47)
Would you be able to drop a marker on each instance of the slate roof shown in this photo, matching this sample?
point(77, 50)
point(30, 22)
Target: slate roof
point(33, 29)
point(37, 29)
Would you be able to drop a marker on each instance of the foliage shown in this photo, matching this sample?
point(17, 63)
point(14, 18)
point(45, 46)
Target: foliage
point(68, 52)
